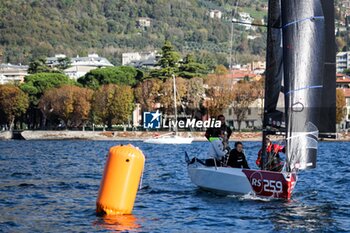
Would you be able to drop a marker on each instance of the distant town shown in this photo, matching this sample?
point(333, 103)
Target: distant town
point(79, 66)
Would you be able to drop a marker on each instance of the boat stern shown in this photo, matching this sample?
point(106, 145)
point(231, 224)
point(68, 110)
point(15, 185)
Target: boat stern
point(271, 184)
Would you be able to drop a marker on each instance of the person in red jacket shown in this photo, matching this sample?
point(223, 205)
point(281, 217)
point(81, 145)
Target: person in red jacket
point(274, 162)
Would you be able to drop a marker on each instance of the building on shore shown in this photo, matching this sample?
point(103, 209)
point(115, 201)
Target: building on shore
point(137, 116)
point(140, 59)
point(257, 67)
point(215, 14)
point(143, 22)
point(12, 73)
point(252, 120)
point(237, 75)
point(343, 61)
point(246, 21)
point(345, 123)
point(79, 66)
point(343, 83)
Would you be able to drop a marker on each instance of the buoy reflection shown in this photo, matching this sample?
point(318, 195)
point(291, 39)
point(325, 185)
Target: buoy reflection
point(118, 222)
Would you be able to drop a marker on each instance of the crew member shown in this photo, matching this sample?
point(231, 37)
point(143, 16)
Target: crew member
point(274, 162)
point(216, 150)
point(237, 158)
point(225, 130)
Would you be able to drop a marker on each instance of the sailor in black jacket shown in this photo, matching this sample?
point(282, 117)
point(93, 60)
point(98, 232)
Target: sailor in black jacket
point(237, 158)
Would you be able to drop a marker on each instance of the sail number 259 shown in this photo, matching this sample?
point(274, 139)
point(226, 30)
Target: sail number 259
point(272, 186)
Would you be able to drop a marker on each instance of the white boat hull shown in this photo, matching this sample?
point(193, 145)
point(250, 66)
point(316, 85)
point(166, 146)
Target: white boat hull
point(169, 140)
point(227, 180)
point(5, 135)
point(232, 180)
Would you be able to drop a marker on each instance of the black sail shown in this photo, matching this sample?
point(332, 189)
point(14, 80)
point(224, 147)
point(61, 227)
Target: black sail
point(303, 59)
point(274, 65)
point(328, 124)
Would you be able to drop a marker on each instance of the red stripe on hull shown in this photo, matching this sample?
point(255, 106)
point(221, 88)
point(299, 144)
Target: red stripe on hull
point(271, 184)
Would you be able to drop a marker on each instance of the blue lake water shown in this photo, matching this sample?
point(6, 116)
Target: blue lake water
point(51, 186)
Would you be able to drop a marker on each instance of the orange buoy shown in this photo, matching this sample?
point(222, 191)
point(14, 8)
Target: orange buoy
point(120, 182)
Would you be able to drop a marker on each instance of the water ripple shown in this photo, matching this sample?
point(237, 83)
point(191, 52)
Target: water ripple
point(51, 186)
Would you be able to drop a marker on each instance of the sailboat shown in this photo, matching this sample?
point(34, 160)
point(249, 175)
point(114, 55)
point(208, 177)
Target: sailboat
point(173, 137)
point(301, 69)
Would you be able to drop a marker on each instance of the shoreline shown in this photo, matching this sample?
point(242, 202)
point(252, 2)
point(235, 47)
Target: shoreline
point(125, 135)
point(140, 135)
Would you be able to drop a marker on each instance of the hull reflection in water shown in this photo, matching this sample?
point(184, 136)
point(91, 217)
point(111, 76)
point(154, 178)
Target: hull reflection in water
point(118, 223)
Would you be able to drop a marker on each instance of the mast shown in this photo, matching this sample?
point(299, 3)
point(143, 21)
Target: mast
point(175, 107)
point(303, 57)
point(274, 72)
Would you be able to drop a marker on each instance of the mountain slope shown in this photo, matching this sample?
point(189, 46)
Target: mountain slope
point(33, 28)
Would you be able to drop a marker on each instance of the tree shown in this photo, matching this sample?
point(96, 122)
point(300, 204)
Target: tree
point(71, 104)
point(259, 87)
point(168, 62)
point(147, 93)
point(346, 71)
point(244, 95)
point(189, 68)
point(121, 75)
point(340, 106)
point(221, 69)
point(35, 85)
point(13, 103)
point(166, 94)
point(125, 104)
point(63, 63)
point(194, 95)
point(113, 104)
point(39, 66)
point(206, 58)
point(219, 94)
point(341, 43)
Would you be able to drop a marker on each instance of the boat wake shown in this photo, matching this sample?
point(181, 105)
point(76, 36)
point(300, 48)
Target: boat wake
point(254, 197)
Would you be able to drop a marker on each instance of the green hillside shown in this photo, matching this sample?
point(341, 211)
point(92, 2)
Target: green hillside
point(33, 28)
point(43, 28)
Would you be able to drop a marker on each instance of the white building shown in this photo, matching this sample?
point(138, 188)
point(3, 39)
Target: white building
point(137, 115)
point(76, 72)
point(140, 59)
point(215, 14)
point(143, 22)
point(91, 60)
point(79, 66)
point(343, 61)
point(257, 67)
point(246, 20)
point(12, 73)
point(253, 119)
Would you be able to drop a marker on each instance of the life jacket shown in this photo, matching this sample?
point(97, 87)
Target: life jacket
point(272, 153)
